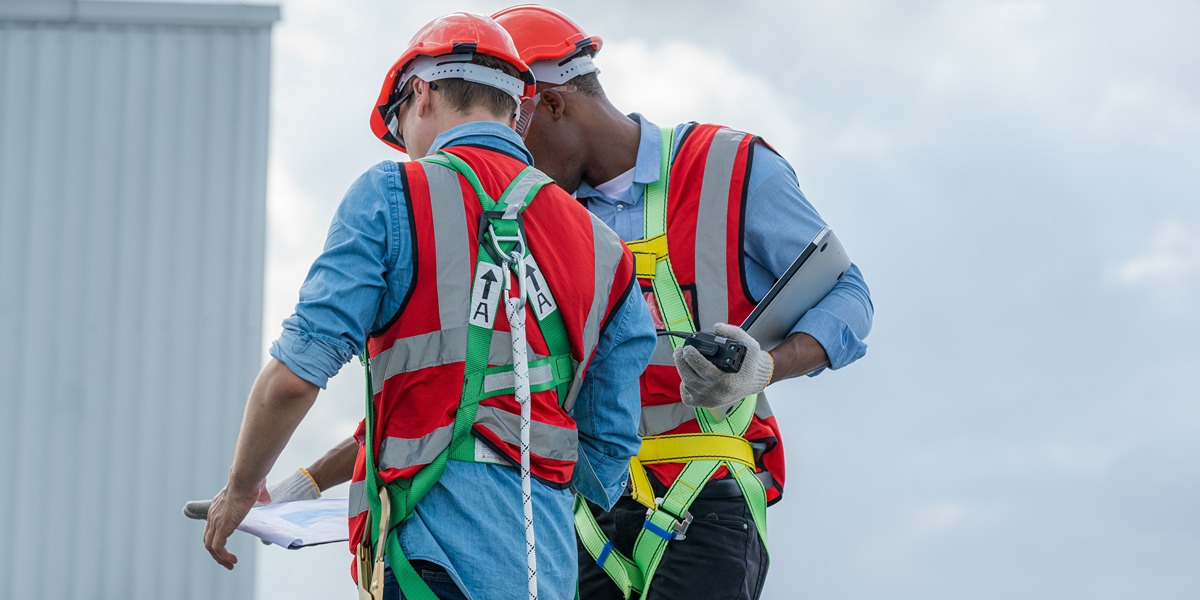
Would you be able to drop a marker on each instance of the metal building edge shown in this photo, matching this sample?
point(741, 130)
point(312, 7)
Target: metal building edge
point(140, 13)
point(133, 159)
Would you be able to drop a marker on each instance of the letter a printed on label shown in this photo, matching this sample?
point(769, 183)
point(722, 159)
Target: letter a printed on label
point(539, 293)
point(485, 294)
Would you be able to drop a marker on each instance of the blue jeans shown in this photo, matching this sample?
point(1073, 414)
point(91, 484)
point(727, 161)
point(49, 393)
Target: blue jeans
point(435, 577)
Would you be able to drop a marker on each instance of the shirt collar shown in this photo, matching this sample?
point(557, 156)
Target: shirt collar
point(489, 134)
point(645, 166)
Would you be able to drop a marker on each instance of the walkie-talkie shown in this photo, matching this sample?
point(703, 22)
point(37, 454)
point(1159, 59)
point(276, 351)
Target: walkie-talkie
point(724, 353)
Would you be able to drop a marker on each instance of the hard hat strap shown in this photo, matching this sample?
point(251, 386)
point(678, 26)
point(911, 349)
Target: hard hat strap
point(562, 71)
point(458, 66)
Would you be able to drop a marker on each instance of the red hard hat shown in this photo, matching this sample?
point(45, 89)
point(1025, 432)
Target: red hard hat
point(457, 33)
point(542, 33)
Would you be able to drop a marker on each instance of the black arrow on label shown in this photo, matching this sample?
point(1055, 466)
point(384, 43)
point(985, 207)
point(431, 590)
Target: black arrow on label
point(532, 275)
point(489, 278)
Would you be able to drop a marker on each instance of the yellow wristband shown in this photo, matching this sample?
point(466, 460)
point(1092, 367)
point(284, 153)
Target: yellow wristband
point(318, 488)
point(771, 374)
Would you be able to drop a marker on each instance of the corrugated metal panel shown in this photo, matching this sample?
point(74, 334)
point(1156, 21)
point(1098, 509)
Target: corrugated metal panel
point(132, 223)
point(129, 13)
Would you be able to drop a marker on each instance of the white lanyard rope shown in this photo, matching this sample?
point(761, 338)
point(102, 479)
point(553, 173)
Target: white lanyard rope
point(516, 322)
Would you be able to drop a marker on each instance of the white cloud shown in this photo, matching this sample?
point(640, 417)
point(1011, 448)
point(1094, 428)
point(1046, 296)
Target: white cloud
point(1171, 257)
point(675, 81)
point(1086, 458)
point(1015, 13)
point(296, 225)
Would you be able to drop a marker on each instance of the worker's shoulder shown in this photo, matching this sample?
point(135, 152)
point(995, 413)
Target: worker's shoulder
point(382, 172)
point(702, 136)
point(686, 131)
point(378, 189)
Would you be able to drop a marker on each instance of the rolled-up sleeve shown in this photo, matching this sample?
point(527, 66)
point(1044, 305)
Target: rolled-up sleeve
point(608, 408)
point(841, 320)
point(780, 222)
point(341, 298)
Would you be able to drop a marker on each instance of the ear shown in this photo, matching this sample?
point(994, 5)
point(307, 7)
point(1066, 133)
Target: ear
point(555, 103)
point(422, 100)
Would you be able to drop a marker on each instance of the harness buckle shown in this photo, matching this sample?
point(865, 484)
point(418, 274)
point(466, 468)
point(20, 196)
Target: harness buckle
point(486, 230)
point(679, 529)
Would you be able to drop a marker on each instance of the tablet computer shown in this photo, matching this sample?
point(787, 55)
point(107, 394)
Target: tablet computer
point(802, 286)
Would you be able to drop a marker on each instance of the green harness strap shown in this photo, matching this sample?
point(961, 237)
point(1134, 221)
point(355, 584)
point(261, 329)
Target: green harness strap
point(505, 234)
point(671, 519)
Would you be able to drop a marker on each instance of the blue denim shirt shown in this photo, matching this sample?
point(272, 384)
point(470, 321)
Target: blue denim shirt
point(471, 522)
point(779, 224)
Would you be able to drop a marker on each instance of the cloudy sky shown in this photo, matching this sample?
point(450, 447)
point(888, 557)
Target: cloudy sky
point(1019, 183)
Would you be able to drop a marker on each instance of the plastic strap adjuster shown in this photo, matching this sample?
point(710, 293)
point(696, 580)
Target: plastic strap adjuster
point(604, 554)
point(656, 530)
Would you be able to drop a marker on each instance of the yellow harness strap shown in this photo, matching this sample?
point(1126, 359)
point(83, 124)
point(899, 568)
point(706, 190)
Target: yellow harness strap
point(640, 489)
point(647, 253)
point(686, 447)
point(682, 448)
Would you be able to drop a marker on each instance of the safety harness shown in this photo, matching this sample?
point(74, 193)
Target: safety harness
point(721, 443)
point(502, 253)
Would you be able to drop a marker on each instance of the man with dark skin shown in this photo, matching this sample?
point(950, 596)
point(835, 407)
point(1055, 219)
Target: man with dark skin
point(732, 203)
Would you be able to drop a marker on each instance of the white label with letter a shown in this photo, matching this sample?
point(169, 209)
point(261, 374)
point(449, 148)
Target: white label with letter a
point(538, 292)
point(485, 294)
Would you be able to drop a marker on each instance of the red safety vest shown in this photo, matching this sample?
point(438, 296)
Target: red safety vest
point(418, 359)
point(706, 202)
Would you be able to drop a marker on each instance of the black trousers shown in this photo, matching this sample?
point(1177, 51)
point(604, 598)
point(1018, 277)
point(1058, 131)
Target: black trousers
point(721, 558)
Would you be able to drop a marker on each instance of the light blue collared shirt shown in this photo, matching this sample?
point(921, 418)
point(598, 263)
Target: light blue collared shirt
point(356, 286)
point(779, 224)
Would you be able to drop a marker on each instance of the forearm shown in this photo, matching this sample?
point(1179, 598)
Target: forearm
point(277, 404)
point(336, 466)
point(800, 354)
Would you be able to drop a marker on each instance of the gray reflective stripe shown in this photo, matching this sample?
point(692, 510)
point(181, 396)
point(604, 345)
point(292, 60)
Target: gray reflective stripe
point(357, 502)
point(549, 441)
point(498, 381)
point(434, 349)
point(664, 417)
point(762, 409)
point(450, 239)
point(711, 222)
point(400, 453)
point(520, 188)
point(512, 210)
point(609, 251)
point(663, 352)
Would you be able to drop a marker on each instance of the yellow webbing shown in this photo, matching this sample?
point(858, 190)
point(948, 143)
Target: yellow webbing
point(647, 253)
point(686, 447)
point(681, 448)
point(640, 489)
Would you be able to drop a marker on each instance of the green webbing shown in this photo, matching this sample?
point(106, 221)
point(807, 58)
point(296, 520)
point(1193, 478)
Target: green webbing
point(649, 547)
point(405, 494)
point(656, 192)
point(554, 330)
point(561, 368)
point(398, 493)
point(619, 568)
point(672, 305)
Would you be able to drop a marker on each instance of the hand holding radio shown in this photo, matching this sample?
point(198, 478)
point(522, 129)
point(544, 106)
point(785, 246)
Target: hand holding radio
point(720, 368)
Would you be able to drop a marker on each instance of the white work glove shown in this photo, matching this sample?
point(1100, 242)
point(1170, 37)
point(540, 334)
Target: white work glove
point(300, 486)
point(706, 386)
